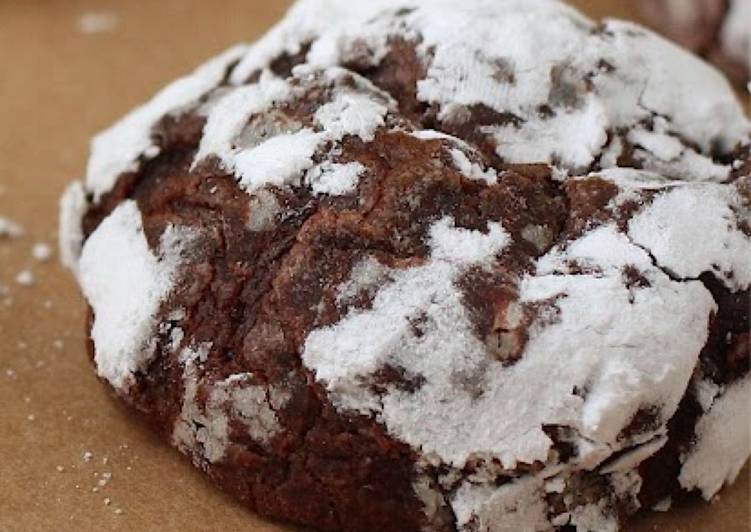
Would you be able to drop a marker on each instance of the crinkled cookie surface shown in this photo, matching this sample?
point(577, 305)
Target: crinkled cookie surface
point(431, 266)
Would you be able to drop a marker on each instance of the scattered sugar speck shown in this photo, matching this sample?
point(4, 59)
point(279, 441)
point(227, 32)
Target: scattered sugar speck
point(107, 501)
point(25, 278)
point(60, 469)
point(97, 22)
point(31, 417)
point(87, 456)
point(9, 228)
point(41, 251)
point(10, 373)
point(118, 511)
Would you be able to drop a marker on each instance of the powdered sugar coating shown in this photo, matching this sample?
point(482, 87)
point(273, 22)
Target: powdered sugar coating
point(73, 206)
point(601, 326)
point(668, 228)
point(279, 151)
point(334, 178)
point(512, 507)
point(118, 149)
point(606, 329)
point(125, 283)
point(632, 75)
point(723, 442)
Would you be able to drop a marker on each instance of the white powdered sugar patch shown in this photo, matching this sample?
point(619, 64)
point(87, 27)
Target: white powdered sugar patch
point(459, 150)
point(604, 335)
point(230, 114)
point(471, 169)
point(513, 507)
point(462, 246)
point(487, 52)
point(367, 275)
point(352, 114)
point(335, 179)
point(246, 403)
point(118, 149)
point(669, 228)
point(73, 207)
point(205, 431)
point(264, 209)
point(185, 435)
point(431, 134)
point(125, 283)
point(278, 151)
point(9, 228)
point(436, 418)
point(279, 161)
point(723, 442)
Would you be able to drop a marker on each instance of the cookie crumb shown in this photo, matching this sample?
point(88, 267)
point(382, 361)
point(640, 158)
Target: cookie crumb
point(87, 456)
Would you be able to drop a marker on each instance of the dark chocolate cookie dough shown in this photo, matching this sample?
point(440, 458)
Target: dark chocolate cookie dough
point(427, 266)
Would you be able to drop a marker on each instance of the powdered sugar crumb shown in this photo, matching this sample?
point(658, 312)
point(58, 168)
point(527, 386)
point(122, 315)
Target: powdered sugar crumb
point(335, 179)
point(41, 251)
point(9, 228)
point(25, 278)
point(97, 22)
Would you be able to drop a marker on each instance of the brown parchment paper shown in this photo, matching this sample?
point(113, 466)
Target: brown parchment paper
point(58, 86)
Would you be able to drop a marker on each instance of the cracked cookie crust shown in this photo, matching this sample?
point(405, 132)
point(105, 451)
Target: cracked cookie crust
point(420, 266)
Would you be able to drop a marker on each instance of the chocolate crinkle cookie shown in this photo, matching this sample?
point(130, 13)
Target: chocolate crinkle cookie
point(719, 30)
point(431, 265)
